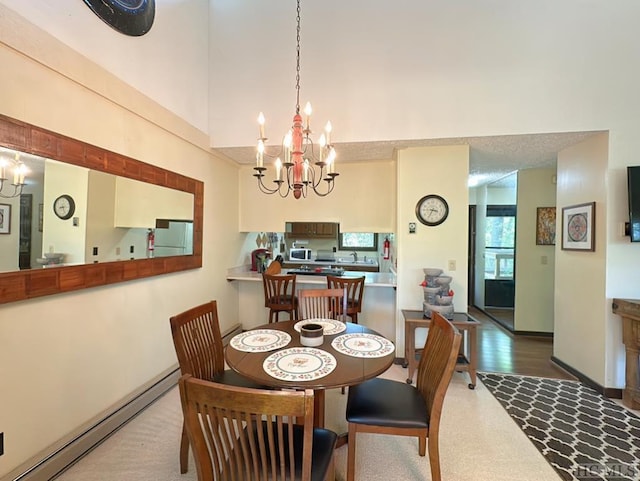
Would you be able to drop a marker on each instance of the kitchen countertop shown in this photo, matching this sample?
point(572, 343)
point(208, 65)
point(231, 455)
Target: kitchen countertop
point(338, 262)
point(372, 279)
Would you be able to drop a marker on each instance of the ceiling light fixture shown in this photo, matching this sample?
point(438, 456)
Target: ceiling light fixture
point(19, 171)
point(298, 167)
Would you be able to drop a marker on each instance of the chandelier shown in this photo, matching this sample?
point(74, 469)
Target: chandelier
point(300, 165)
point(19, 170)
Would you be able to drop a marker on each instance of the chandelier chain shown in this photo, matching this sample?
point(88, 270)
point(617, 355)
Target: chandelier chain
point(298, 60)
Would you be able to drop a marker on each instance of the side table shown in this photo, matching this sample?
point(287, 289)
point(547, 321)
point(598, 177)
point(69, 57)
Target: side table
point(467, 361)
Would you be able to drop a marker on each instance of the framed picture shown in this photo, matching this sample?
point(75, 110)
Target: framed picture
point(578, 227)
point(546, 226)
point(5, 219)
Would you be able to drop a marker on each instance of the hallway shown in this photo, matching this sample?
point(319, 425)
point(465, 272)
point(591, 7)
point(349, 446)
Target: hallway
point(501, 351)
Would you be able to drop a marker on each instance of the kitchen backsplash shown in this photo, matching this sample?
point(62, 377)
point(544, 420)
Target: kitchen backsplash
point(279, 245)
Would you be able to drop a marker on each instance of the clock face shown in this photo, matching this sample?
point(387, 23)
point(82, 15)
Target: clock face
point(432, 210)
point(64, 206)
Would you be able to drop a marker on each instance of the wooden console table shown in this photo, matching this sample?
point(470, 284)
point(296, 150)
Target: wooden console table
point(467, 361)
point(629, 310)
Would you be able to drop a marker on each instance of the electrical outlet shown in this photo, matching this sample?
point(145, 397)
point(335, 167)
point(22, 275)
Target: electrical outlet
point(452, 265)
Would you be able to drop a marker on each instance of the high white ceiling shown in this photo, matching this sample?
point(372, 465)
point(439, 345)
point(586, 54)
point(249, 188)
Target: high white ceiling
point(393, 75)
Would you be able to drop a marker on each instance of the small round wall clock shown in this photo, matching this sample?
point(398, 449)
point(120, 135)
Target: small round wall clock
point(64, 207)
point(131, 17)
point(432, 210)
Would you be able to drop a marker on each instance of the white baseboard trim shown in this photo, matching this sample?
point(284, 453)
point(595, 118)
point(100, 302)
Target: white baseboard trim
point(54, 462)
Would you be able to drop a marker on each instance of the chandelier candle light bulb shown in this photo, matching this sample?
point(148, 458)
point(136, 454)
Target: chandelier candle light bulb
point(303, 167)
point(307, 112)
point(262, 138)
point(19, 172)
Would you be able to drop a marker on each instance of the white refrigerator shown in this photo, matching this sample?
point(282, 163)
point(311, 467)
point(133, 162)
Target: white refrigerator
point(175, 240)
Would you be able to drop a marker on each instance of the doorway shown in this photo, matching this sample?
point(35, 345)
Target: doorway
point(492, 241)
point(499, 265)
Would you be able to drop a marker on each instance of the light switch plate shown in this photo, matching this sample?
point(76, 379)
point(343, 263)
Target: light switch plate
point(412, 227)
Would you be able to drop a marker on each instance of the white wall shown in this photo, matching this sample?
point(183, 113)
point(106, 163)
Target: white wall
point(60, 235)
point(535, 264)
point(83, 351)
point(580, 303)
point(10, 243)
point(168, 64)
point(421, 171)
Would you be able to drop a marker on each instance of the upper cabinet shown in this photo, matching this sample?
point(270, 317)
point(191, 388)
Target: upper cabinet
point(311, 230)
point(138, 204)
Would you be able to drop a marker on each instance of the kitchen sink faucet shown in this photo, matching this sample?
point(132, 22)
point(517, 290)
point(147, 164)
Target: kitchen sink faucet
point(355, 256)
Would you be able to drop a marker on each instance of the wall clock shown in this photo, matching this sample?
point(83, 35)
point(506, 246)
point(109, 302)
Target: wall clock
point(432, 210)
point(131, 17)
point(64, 207)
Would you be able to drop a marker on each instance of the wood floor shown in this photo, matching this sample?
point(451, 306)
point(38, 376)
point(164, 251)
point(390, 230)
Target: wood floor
point(501, 351)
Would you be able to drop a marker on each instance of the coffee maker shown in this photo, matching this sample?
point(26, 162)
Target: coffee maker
point(258, 259)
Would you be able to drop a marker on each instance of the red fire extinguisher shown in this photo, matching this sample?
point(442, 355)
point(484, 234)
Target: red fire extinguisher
point(385, 248)
point(151, 238)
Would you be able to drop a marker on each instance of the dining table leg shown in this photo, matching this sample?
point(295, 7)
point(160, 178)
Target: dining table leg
point(318, 408)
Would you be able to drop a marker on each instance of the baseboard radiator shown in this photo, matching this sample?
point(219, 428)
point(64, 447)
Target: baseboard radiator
point(55, 460)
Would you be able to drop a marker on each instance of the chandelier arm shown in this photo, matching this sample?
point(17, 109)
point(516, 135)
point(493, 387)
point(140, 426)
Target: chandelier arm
point(330, 185)
point(17, 191)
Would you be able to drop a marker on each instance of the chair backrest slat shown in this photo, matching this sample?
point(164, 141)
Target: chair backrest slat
point(322, 304)
point(278, 289)
point(354, 289)
point(242, 434)
point(437, 364)
point(197, 340)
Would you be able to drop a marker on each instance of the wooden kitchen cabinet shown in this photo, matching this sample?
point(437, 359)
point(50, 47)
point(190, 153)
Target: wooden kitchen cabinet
point(312, 230)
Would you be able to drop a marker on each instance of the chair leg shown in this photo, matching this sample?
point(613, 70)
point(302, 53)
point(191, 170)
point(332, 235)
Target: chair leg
point(184, 450)
point(434, 459)
point(331, 472)
point(422, 444)
point(351, 453)
point(354, 318)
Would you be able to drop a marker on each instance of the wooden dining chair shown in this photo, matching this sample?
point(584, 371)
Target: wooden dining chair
point(384, 406)
point(280, 295)
point(252, 434)
point(322, 304)
point(355, 291)
point(198, 343)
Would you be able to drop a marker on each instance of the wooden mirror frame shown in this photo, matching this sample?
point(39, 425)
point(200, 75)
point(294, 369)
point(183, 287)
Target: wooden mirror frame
point(27, 284)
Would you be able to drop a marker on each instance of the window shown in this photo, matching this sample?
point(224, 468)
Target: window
point(361, 241)
point(500, 238)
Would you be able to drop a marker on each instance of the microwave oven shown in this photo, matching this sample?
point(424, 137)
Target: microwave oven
point(299, 254)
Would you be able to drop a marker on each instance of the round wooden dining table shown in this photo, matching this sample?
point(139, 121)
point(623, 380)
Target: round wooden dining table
point(349, 370)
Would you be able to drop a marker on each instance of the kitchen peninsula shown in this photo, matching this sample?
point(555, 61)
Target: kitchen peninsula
point(378, 306)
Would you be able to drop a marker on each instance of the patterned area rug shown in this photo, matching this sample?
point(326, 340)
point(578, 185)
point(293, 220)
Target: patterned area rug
point(582, 434)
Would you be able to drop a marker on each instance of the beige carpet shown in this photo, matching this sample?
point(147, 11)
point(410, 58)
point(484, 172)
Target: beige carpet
point(478, 442)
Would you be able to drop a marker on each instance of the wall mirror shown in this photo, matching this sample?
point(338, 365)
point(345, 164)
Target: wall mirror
point(85, 215)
